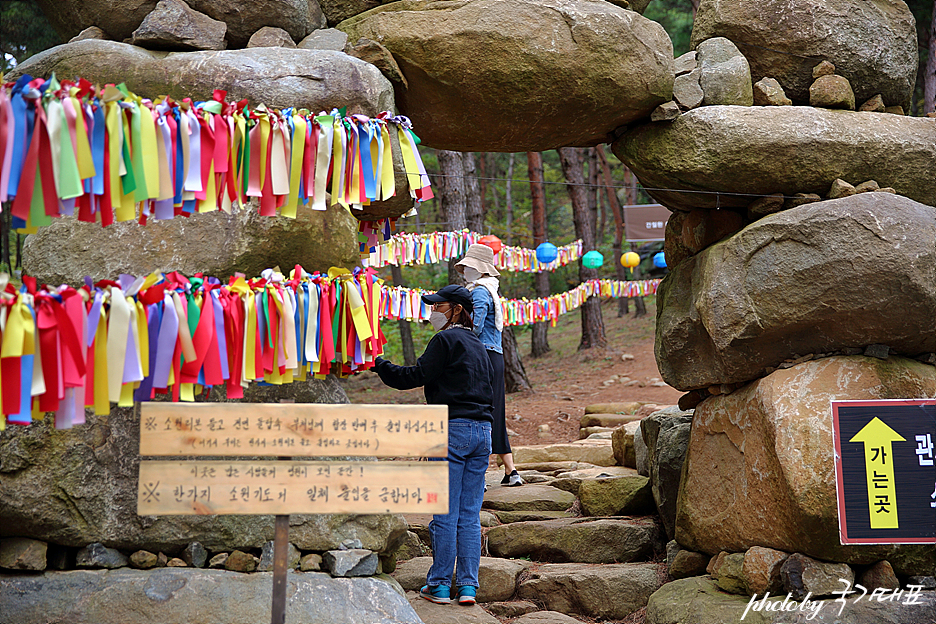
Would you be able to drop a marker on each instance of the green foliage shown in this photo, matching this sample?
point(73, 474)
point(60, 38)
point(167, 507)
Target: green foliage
point(24, 31)
point(676, 18)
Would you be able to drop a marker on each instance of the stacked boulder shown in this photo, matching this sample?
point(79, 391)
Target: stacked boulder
point(802, 249)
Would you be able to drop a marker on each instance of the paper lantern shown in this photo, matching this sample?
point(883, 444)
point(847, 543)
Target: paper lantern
point(630, 260)
point(492, 241)
point(592, 260)
point(546, 253)
point(659, 260)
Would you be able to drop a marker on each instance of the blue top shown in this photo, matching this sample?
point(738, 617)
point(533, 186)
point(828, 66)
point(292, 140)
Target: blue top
point(483, 319)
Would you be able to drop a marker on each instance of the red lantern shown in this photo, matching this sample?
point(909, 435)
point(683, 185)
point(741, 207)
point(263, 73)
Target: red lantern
point(492, 241)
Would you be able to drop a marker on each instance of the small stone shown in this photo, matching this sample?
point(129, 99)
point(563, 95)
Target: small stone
point(727, 573)
point(761, 570)
point(690, 400)
point(832, 92)
point(825, 68)
point(927, 358)
point(356, 562)
point(715, 389)
point(311, 563)
point(881, 574)
point(543, 431)
point(868, 186)
point(173, 25)
point(687, 91)
point(195, 555)
point(877, 351)
point(686, 63)
point(924, 582)
point(763, 206)
point(161, 560)
point(218, 561)
point(271, 37)
point(325, 39)
point(768, 92)
point(665, 112)
point(687, 563)
point(381, 58)
point(512, 609)
point(239, 561)
point(803, 575)
point(894, 110)
point(351, 544)
point(175, 562)
point(22, 553)
point(714, 562)
point(873, 105)
point(487, 519)
point(266, 557)
point(99, 556)
point(840, 188)
point(143, 560)
point(799, 199)
point(672, 548)
point(931, 115)
point(887, 189)
point(91, 32)
point(627, 356)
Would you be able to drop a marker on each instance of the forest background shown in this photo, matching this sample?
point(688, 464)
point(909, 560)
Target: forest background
point(523, 198)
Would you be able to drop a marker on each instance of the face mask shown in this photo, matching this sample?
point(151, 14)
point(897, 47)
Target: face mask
point(472, 275)
point(438, 320)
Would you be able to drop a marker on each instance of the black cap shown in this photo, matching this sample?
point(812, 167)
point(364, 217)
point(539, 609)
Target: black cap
point(453, 293)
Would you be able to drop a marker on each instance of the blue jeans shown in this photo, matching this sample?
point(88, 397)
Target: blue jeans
point(457, 534)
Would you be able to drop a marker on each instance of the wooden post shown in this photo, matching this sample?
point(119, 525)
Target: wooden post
point(280, 550)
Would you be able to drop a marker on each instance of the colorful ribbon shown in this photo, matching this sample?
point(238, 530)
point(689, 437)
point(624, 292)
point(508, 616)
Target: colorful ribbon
point(107, 155)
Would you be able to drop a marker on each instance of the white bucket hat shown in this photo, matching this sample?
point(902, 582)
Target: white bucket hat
point(481, 258)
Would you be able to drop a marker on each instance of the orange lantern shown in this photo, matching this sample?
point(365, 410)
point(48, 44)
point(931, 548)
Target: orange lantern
point(492, 241)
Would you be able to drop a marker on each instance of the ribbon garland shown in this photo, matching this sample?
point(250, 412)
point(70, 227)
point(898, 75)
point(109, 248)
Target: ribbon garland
point(74, 149)
point(122, 341)
point(406, 248)
point(405, 303)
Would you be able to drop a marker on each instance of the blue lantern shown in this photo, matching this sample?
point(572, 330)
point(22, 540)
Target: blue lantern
point(659, 260)
point(592, 260)
point(546, 253)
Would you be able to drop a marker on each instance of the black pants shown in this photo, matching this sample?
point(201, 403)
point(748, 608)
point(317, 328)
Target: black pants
point(499, 442)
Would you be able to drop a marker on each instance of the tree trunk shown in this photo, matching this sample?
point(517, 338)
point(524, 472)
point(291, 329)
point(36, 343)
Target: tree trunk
point(593, 332)
point(406, 333)
point(695, 7)
point(929, 75)
point(474, 208)
point(515, 375)
point(483, 175)
point(540, 341)
point(617, 249)
point(453, 200)
point(509, 199)
point(640, 307)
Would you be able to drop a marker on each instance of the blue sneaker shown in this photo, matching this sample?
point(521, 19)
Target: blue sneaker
point(438, 594)
point(466, 595)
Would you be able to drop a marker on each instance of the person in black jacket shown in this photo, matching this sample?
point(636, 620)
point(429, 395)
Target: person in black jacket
point(455, 371)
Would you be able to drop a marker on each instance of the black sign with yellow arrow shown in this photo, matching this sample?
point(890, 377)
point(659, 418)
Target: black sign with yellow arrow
point(885, 469)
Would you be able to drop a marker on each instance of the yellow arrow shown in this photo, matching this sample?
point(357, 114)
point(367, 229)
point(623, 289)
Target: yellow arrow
point(879, 469)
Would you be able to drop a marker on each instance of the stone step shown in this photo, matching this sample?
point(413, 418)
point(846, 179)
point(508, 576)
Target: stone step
point(553, 468)
point(605, 592)
point(607, 420)
point(431, 613)
point(616, 496)
point(596, 452)
point(507, 517)
point(580, 540)
point(497, 577)
point(570, 481)
point(628, 407)
point(527, 498)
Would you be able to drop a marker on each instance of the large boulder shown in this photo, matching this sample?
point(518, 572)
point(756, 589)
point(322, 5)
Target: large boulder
point(193, 595)
point(725, 76)
point(873, 44)
point(278, 77)
point(337, 11)
point(582, 540)
point(121, 17)
point(174, 26)
point(79, 486)
point(778, 149)
point(799, 282)
point(214, 243)
point(760, 469)
point(521, 75)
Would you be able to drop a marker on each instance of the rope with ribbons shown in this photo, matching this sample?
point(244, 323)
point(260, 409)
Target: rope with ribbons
point(72, 148)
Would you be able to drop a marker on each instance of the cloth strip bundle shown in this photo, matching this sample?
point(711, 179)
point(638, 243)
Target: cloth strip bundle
point(123, 341)
point(405, 249)
point(72, 148)
point(406, 303)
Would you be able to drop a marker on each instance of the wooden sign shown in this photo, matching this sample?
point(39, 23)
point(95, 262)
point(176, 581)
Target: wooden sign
point(293, 429)
point(286, 487)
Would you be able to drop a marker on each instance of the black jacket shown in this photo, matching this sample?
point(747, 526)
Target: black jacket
point(456, 371)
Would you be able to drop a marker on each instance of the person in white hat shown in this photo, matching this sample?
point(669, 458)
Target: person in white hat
point(477, 267)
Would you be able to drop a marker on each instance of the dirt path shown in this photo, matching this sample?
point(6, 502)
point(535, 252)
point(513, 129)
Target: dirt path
point(565, 380)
